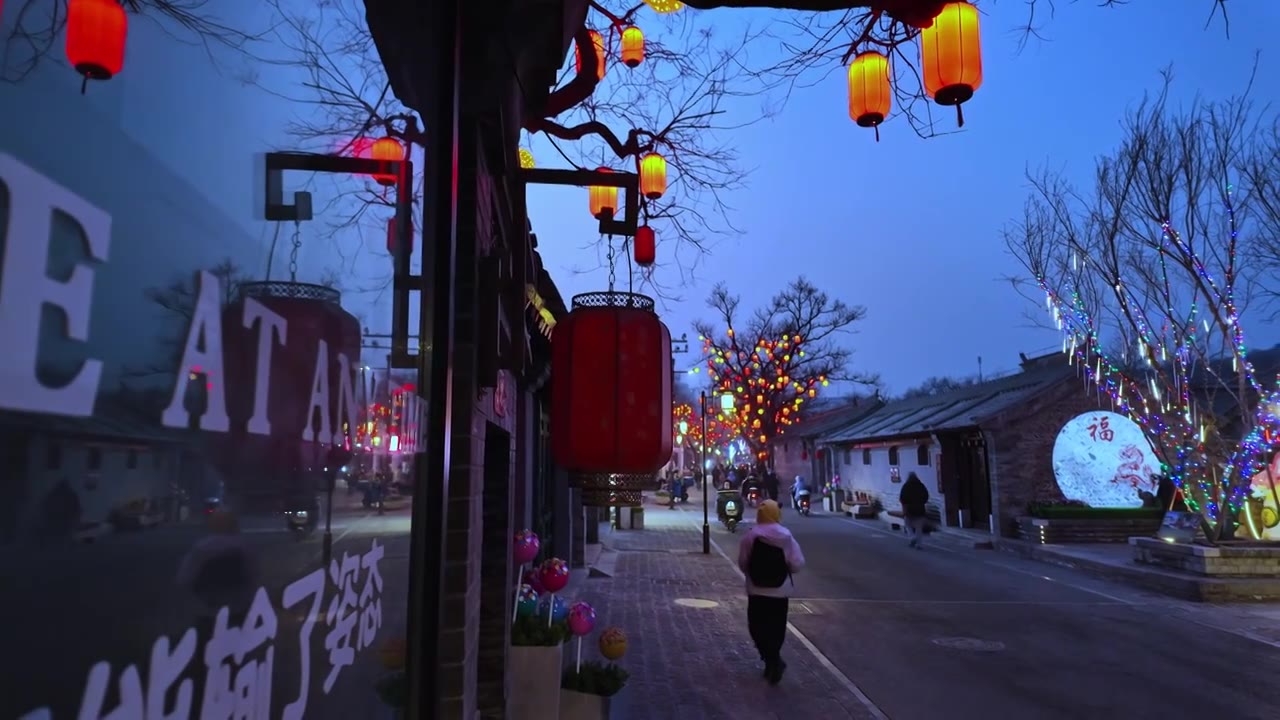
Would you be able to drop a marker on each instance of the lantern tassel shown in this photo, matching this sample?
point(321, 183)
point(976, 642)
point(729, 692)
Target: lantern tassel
point(877, 128)
point(84, 84)
point(959, 115)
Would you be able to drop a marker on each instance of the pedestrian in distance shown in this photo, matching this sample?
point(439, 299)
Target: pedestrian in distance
point(768, 555)
point(914, 497)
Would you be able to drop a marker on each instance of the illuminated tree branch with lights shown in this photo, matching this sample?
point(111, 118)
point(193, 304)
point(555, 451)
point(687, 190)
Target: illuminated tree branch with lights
point(1149, 276)
point(779, 358)
point(721, 429)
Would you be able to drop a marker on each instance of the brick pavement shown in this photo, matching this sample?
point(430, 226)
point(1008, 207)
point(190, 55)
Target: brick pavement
point(689, 662)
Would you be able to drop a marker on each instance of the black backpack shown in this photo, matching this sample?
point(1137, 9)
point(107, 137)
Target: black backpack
point(767, 566)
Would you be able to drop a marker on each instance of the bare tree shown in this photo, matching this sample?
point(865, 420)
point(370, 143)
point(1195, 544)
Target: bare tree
point(778, 358)
point(1148, 277)
point(37, 24)
point(176, 302)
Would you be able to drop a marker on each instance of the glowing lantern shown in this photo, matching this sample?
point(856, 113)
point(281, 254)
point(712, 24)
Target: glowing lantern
point(526, 159)
point(96, 32)
point(870, 97)
point(597, 41)
point(604, 199)
point(386, 149)
point(951, 56)
point(653, 176)
point(611, 425)
point(662, 7)
point(632, 46)
point(645, 246)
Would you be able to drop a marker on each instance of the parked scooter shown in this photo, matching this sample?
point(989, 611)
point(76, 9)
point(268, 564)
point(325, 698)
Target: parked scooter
point(729, 509)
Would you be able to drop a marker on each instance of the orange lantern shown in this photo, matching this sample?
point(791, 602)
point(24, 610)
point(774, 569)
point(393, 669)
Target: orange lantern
point(951, 56)
point(646, 249)
point(96, 32)
point(386, 149)
point(632, 46)
point(597, 41)
point(653, 176)
point(604, 199)
point(870, 97)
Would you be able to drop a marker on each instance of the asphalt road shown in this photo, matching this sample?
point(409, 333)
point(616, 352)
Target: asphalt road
point(952, 631)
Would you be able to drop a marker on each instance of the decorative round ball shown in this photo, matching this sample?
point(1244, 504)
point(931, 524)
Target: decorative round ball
point(527, 603)
point(554, 574)
point(533, 578)
point(526, 547)
point(582, 618)
point(554, 605)
point(613, 643)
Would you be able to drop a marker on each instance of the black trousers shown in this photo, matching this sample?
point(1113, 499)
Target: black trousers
point(767, 622)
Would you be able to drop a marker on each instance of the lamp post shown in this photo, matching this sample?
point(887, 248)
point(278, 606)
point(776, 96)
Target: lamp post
point(726, 405)
point(684, 432)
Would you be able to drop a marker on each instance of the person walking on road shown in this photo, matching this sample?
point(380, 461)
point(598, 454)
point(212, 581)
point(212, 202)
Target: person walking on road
point(768, 555)
point(914, 497)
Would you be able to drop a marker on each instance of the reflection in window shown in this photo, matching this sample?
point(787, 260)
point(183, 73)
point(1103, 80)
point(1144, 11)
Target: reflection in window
point(893, 456)
point(94, 460)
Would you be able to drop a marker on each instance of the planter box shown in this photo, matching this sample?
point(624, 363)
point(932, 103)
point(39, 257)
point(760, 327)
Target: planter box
point(535, 682)
point(1225, 561)
point(581, 706)
point(1056, 531)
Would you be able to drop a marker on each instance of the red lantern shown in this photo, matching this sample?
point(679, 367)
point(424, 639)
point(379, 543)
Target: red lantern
point(646, 246)
point(870, 96)
point(387, 149)
point(951, 56)
point(96, 32)
point(597, 42)
point(632, 46)
point(611, 396)
point(653, 176)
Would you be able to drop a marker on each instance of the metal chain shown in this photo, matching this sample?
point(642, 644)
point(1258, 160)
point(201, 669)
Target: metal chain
point(293, 254)
point(612, 275)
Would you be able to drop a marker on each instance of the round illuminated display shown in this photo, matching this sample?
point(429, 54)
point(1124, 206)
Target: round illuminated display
point(1104, 460)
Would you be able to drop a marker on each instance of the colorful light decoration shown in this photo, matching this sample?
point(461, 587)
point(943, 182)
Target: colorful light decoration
point(662, 7)
point(653, 176)
point(96, 36)
point(720, 432)
point(951, 56)
point(632, 46)
point(763, 385)
point(1161, 399)
point(870, 96)
point(526, 159)
point(597, 41)
point(387, 149)
point(603, 199)
point(645, 245)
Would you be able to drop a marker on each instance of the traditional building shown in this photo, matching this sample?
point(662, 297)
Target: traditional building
point(984, 451)
point(799, 451)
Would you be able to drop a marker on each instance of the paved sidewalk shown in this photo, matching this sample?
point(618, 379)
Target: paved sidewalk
point(696, 662)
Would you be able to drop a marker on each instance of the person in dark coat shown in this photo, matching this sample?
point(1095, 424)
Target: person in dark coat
point(771, 484)
point(914, 497)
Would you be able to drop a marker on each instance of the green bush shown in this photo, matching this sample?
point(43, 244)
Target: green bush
point(1080, 511)
point(595, 678)
point(533, 631)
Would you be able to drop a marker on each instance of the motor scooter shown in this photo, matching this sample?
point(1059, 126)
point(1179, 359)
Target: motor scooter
point(800, 501)
point(729, 509)
point(753, 497)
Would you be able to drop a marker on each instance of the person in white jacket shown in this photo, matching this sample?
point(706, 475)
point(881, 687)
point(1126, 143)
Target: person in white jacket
point(768, 555)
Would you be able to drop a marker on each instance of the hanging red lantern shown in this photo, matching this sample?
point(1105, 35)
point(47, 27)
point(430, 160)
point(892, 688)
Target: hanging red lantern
point(951, 56)
point(646, 246)
point(603, 198)
point(653, 176)
point(632, 46)
point(387, 149)
point(597, 41)
point(96, 33)
point(870, 97)
point(611, 425)
point(393, 237)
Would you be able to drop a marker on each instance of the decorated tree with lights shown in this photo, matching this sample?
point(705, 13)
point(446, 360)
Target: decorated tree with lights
point(721, 429)
point(777, 359)
point(1148, 277)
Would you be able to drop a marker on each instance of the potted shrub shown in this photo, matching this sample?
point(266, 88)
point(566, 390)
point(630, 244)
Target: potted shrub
point(535, 667)
point(586, 692)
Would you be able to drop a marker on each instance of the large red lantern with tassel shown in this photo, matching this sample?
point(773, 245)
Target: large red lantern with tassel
point(870, 97)
point(597, 42)
point(96, 34)
point(646, 246)
point(611, 396)
point(951, 56)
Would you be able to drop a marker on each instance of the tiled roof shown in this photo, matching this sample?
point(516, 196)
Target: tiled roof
point(959, 408)
point(836, 414)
